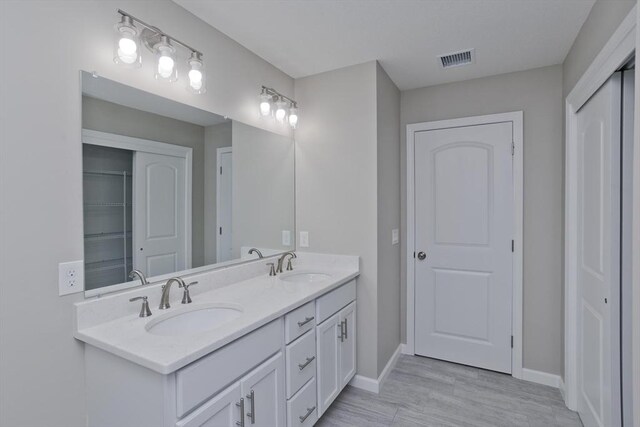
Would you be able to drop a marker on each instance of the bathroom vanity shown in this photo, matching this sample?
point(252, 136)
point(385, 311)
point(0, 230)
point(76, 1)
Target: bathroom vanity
point(277, 353)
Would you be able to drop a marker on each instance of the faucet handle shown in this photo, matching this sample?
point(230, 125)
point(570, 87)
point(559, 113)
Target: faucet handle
point(289, 265)
point(144, 310)
point(186, 298)
point(272, 270)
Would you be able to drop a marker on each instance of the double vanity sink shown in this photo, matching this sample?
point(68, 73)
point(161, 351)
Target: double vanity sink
point(203, 317)
point(250, 349)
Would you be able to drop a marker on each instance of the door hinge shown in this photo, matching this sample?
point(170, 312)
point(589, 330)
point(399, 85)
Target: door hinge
point(511, 341)
point(513, 148)
point(513, 244)
point(221, 231)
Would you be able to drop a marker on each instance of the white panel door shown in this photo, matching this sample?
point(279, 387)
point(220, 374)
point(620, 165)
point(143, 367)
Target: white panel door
point(347, 344)
point(328, 366)
point(159, 213)
point(221, 411)
point(463, 242)
point(264, 394)
point(224, 204)
point(598, 253)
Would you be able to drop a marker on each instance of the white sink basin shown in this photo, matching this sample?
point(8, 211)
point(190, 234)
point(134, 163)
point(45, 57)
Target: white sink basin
point(193, 320)
point(305, 277)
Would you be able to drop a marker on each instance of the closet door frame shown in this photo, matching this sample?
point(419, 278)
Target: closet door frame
point(615, 53)
point(106, 139)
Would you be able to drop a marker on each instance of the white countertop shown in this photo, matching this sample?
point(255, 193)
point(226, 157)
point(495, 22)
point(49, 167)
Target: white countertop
point(262, 299)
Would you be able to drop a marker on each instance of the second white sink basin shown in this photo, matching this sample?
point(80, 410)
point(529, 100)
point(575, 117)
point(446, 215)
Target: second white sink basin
point(193, 321)
point(305, 277)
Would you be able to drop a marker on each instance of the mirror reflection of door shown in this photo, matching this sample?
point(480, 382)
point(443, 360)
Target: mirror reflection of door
point(224, 207)
point(158, 214)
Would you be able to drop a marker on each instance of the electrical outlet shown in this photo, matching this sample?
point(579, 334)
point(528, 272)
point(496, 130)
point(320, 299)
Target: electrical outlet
point(395, 236)
point(286, 238)
point(304, 239)
point(70, 277)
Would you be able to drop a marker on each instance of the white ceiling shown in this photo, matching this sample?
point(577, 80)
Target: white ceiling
point(305, 37)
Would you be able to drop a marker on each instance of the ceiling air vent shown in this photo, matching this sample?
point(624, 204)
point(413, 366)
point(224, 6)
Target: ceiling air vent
point(457, 59)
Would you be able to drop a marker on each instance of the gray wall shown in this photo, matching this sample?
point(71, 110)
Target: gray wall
point(104, 116)
point(42, 365)
point(388, 134)
point(262, 190)
point(336, 174)
point(603, 20)
point(538, 93)
point(216, 136)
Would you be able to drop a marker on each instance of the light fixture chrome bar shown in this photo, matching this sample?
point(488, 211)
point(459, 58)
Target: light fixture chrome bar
point(158, 31)
point(273, 92)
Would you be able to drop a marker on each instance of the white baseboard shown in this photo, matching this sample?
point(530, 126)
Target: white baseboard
point(563, 391)
point(405, 349)
point(541, 378)
point(374, 386)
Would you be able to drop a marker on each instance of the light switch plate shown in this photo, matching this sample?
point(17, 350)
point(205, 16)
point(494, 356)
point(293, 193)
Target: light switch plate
point(395, 236)
point(304, 239)
point(70, 277)
point(286, 238)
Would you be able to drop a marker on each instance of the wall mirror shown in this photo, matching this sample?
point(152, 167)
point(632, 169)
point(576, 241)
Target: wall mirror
point(169, 188)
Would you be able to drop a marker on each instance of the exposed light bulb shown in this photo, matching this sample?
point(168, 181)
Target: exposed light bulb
point(280, 111)
point(196, 74)
point(126, 44)
point(165, 66)
point(293, 117)
point(265, 108)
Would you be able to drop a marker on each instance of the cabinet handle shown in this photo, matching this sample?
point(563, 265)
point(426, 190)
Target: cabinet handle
point(241, 406)
point(252, 414)
point(346, 329)
point(341, 336)
point(305, 321)
point(305, 416)
point(306, 363)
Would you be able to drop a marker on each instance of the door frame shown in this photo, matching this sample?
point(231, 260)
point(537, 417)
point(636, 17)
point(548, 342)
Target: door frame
point(613, 55)
point(219, 152)
point(516, 118)
point(113, 140)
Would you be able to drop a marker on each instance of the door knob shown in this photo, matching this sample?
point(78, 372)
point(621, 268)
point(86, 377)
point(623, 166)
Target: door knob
point(421, 256)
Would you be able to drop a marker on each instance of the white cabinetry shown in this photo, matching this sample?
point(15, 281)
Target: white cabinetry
point(264, 396)
point(285, 373)
point(336, 344)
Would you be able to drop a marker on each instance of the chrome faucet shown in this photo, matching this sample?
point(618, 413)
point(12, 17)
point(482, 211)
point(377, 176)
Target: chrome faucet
point(281, 261)
point(252, 250)
point(164, 300)
point(140, 275)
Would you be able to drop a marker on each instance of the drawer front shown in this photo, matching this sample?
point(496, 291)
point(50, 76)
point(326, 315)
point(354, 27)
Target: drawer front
point(331, 303)
point(299, 321)
point(301, 362)
point(301, 409)
point(203, 378)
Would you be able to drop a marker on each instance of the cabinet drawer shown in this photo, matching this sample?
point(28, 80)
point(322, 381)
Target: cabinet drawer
point(330, 303)
point(301, 362)
point(301, 410)
point(299, 321)
point(203, 378)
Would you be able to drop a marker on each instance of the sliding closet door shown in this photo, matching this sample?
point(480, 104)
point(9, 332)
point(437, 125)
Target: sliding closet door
point(599, 256)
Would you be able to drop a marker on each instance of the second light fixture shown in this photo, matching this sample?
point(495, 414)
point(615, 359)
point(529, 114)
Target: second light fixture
point(280, 106)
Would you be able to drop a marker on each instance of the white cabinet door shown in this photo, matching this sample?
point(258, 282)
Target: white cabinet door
point(347, 344)
point(221, 411)
point(264, 394)
point(328, 374)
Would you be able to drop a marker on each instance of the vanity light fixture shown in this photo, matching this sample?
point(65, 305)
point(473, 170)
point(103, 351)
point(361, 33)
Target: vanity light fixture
point(127, 52)
point(284, 107)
